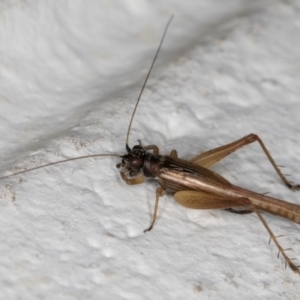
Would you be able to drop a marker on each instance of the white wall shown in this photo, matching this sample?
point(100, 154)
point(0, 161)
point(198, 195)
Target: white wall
point(70, 73)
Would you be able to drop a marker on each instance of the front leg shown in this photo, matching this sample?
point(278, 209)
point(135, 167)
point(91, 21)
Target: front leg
point(132, 181)
point(154, 148)
point(159, 193)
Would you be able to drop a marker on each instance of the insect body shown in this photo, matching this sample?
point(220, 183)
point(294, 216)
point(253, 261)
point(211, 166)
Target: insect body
point(195, 186)
point(192, 184)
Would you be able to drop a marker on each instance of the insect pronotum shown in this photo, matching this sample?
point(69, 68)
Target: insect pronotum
point(191, 182)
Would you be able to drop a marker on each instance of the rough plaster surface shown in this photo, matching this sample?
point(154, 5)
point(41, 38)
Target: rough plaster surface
point(70, 72)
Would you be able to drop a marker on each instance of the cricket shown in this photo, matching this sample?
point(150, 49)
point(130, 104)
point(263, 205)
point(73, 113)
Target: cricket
point(191, 183)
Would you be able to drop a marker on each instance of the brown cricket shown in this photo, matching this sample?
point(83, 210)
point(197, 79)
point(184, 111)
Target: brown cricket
point(191, 182)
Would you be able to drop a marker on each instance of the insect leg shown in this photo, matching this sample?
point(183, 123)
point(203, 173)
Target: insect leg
point(154, 148)
point(132, 181)
point(209, 158)
point(159, 193)
point(203, 200)
point(174, 153)
point(272, 236)
point(238, 211)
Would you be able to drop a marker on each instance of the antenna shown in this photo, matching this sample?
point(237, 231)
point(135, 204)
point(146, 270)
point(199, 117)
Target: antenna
point(145, 82)
point(129, 127)
point(58, 162)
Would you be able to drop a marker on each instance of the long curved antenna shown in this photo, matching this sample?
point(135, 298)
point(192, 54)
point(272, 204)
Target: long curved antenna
point(145, 82)
point(129, 127)
point(59, 162)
